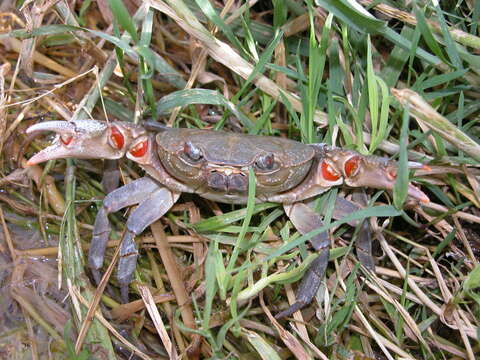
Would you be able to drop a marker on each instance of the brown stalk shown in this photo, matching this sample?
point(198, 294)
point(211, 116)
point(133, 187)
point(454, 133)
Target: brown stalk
point(176, 281)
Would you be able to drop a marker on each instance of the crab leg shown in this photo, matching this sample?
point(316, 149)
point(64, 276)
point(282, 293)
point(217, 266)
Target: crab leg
point(148, 211)
point(363, 242)
point(111, 175)
point(133, 193)
point(306, 220)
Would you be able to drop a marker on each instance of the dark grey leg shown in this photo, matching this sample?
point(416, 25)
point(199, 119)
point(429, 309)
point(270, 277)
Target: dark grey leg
point(363, 243)
point(148, 211)
point(306, 220)
point(127, 195)
point(111, 175)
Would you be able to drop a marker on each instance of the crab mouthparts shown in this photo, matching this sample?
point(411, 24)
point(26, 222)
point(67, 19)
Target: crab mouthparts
point(227, 180)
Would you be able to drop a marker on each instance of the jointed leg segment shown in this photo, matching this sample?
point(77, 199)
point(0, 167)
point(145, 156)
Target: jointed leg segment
point(130, 194)
point(306, 220)
point(154, 201)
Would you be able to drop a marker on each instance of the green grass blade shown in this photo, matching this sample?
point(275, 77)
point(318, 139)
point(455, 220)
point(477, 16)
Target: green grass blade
point(427, 35)
point(200, 96)
point(217, 222)
point(400, 190)
point(378, 211)
point(246, 221)
point(121, 15)
point(353, 14)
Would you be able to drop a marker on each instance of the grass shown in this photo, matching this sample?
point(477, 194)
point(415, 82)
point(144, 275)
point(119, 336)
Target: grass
point(387, 79)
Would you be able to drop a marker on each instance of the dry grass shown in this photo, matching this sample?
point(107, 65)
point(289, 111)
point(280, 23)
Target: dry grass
point(283, 69)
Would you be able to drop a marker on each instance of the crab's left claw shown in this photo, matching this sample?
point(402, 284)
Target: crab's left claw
point(372, 171)
point(84, 139)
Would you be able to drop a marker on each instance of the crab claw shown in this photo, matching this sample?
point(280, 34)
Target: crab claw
point(84, 139)
point(372, 171)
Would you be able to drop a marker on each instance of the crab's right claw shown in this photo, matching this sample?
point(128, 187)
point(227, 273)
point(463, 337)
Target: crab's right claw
point(84, 139)
point(371, 171)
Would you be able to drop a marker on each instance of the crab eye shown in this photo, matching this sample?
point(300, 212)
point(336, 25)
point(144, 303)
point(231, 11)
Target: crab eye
point(265, 162)
point(329, 173)
point(139, 149)
point(66, 139)
point(212, 112)
point(351, 166)
point(192, 152)
point(116, 138)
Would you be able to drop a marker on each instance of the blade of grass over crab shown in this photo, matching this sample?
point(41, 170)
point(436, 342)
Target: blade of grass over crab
point(217, 222)
point(281, 278)
point(264, 226)
point(246, 221)
point(200, 96)
point(377, 211)
point(400, 189)
point(425, 113)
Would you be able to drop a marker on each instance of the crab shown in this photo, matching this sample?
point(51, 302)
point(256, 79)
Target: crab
point(216, 165)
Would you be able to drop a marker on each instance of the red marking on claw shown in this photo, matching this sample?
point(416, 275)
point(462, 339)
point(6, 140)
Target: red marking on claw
point(117, 137)
point(66, 139)
point(392, 174)
point(329, 173)
point(140, 149)
point(351, 166)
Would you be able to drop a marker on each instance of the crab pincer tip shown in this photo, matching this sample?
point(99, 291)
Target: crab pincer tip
point(425, 199)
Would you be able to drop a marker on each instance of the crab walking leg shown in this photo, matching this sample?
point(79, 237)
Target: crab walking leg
point(363, 242)
point(305, 220)
point(147, 212)
point(130, 194)
point(111, 175)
